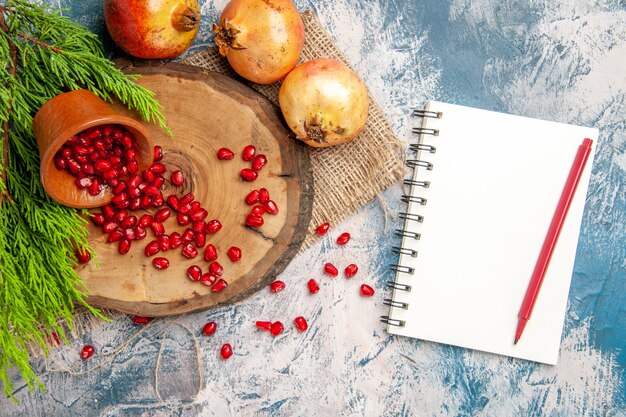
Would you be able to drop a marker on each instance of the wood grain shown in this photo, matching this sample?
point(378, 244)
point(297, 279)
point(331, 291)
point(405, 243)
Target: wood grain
point(207, 111)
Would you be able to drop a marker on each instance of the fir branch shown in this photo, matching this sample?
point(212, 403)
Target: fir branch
point(11, 67)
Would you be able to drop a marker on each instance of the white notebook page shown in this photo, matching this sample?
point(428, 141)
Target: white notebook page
point(495, 184)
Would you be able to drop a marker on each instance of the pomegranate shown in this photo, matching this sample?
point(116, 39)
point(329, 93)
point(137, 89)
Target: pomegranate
point(226, 351)
point(209, 328)
point(324, 102)
point(155, 29)
point(262, 39)
point(301, 323)
point(322, 229)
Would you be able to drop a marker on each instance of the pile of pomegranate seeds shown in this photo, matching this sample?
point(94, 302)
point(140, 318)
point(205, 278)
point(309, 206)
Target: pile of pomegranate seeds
point(261, 202)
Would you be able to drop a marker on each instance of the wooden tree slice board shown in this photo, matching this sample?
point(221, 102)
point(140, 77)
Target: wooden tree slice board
point(207, 111)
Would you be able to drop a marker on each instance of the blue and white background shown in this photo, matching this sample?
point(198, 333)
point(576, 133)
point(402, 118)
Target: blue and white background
point(562, 60)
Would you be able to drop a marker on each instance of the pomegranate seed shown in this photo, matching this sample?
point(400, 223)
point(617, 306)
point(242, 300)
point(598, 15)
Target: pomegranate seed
point(110, 174)
point(175, 240)
point(276, 328)
point(184, 208)
point(130, 154)
point(265, 325)
point(140, 233)
point(130, 221)
point(83, 256)
point(141, 320)
point(234, 253)
point(264, 196)
point(115, 235)
point(301, 323)
point(164, 243)
point(102, 165)
point(152, 248)
point(83, 183)
point(157, 168)
point(157, 200)
point(258, 162)
point(162, 215)
point(189, 251)
point(148, 176)
point(216, 269)
point(119, 188)
point(200, 239)
point(145, 220)
point(133, 181)
point(207, 279)
point(226, 351)
point(177, 178)
point(277, 286)
point(94, 189)
point(157, 228)
point(322, 229)
point(187, 198)
point(120, 216)
point(248, 153)
point(199, 215)
point(158, 153)
point(98, 219)
point(129, 233)
point(109, 226)
point(194, 273)
point(198, 226)
point(366, 290)
point(254, 221)
point(173, 202)
point(150, 190)
point(252, 197)
point(313, 286)
point(124, 246)
point(127, 141)
point(183, 219)
point(257, 210)
point(188, 235)
point(271, 207)
point(225, 154)
point(209, 328)
point(210, 254)
point(213, 226)
point(133, 167)
point(158, 182)
point(87, 352)
point(248, 174)
point(88, 169)
point(219, 286)
point(60, 162)
point(120, 200)
point(343, 238)
point(331, 269)
point(351, 270)
point(160, 263)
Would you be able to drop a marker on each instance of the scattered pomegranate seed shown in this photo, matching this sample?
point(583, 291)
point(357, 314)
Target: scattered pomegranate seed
point(175, 240)
point(194, 273)
point(219, 285)
point(173, 202)
point(248, 153)
point(366, 290)
point(187, 198)
point(162, 215)
point(252, 198)
point(248, 174)
point(216, 269)
point(225, 154)
point(207, 279)
point(210, 254)
point(115, 236)
point(83, 256)
point(183, 219)
point(124, 246)
point(157, 168)
point(254, 221)
point(200, 239)
point(157, 228)
point(258, 162)
point(258, 210)
point(177, 178)
point(141, 320)
point(140, 233)
point(87, 352)
point(152, 248)
point(130, 221)
point(234, 253)
point(322, 229)
point(158, 153)
point(198, 226)
point(343, 238)
point(189, 251)
point(313, 286)
point(213, 226)
point(188, 235)
point(301, 323)
point(264, 196)
point(331, 269)
point(351, 270)
point(265, 325)
point(271, 207)
point(209, 328)
point(276, 328)
point(160, 263)
point(145, 220)
point(277, 286)
point(98, 219)
point(226, 351)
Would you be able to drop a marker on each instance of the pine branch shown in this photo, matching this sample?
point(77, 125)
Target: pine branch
point(11, 65)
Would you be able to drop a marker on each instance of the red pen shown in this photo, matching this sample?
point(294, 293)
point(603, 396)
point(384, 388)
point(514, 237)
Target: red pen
point(553, 234)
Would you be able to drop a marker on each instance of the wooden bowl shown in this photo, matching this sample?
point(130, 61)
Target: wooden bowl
point(66, 115)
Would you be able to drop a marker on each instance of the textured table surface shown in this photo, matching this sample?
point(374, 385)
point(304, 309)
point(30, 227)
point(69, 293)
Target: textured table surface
point(562, 60)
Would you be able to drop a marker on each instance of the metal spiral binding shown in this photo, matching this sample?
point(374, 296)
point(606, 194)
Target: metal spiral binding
point(408, 198)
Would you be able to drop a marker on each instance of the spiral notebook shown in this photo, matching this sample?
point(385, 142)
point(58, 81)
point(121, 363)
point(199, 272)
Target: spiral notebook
point(483, 192)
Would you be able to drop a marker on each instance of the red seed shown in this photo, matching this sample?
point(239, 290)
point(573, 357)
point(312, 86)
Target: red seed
point(194, 207)
point(210, 254)
point(184, 208)
point(199, 215)
point(258, 162)
point(121, 200)
point(152, 248)
point(277, 286)
point(313, 287)
point(115, 235)
point(265, 325)
point(157, 200)
point(331, 269)
point(98, 219)
point(83, 183)
point(141, 319)
point(343, 238)
point(248, 153)
point(124, 246)
point(145, 220)
point(148, 176)
point(160, 263)
point(258, 210)
point(130, 154)
point(102, 165)
point(173, 202)
point(271, 207)
point(198, 226)
point(301, 323)
point(351, 270)
point(59, 161)
point(177, 178)
point(194, 273)
point(187, 198)
point(130, 221)
point(158, 182)
point(164, 243)
point(158, 153)
point(264, 196)
point(119, 188)
point(87, 352)
point(213, 226)
point(254, 221)
point(200, 239)
point(252, 197)
point(82, 256)
point(225, 154)
point(322, 229)
point(248, 174)
point(183, 219)
point(150, 190)
point(162, 215)
point(366, 290)
point(133, 167)
point(189, 251)
point(209, 328)
point(216, 269)
point(109, 226)
point(188, 235)
point(133, 181)
point(226, 351)
point(276, 328)
point(207, 279)
point(108, 211)
point(157, 228)
point(219, 286)
point(175, 240)
point(157, 168)
point(129, 233)
point(94, 189)
point(140, 233)
point(234, 253)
